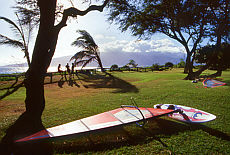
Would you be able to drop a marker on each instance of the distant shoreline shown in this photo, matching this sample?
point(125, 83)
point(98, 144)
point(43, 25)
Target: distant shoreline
point(13, 70)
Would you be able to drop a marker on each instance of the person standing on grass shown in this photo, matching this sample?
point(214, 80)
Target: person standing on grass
point(67, 70)
point(60, 71)
point(72, 70)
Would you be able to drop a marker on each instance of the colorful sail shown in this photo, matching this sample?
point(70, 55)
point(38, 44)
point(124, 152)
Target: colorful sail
point(210, 83)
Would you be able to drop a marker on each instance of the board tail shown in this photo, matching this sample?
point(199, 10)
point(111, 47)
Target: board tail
point(187, 114)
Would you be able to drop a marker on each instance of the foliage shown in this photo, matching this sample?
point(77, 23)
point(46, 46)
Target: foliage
point(184, 21)
point(126, 67)
point(22, 31)
point(90, 50)
point(221, 59)
point(218, 18)
point(114, 67)
point(187, 21)
point(156, 66)
point(169, 64)
point(132, 63)
point(181, 64)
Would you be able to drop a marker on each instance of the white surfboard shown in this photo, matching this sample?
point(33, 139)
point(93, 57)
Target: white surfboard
point(188, 114)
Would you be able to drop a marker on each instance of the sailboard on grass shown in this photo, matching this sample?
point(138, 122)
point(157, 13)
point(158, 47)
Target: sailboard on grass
point(187, 114)
point(210, 83)
point(100, 122)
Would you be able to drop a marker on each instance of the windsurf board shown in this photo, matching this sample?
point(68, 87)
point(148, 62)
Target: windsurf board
point(187, 114)
point(107, 120)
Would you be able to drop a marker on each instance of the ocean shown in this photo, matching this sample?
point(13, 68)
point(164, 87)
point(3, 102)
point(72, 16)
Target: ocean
point(11, 70)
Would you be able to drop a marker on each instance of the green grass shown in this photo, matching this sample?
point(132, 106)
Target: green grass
point(162, 136)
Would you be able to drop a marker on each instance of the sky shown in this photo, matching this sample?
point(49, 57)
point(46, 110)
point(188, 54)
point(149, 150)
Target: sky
point(108, 36)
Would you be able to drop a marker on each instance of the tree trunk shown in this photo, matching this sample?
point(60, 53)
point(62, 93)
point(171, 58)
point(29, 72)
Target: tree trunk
point(100, 63)
point(218, 73)
point(219, 70)
point(186, 68)
point(188, 64)
point(189, 67)
point(30, 121)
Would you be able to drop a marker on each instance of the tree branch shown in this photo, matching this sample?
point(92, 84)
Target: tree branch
point(74, 12)
point(199, 37)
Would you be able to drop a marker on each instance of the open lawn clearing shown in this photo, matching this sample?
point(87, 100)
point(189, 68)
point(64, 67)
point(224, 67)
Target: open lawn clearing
point(93, 95)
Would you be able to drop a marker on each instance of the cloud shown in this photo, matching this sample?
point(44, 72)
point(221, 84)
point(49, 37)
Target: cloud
point(163, 45)
point(143, 52)
point(101, 37)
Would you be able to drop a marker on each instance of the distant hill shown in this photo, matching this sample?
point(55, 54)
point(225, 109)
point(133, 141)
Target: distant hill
point(122, 58)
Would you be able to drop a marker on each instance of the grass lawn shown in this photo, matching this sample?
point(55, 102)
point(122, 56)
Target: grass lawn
point(91, 95)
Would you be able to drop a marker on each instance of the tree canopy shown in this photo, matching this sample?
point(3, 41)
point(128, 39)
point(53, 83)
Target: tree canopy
point(132, 63)
point(186, 21)
point(204, 55)
point(168, 64)
point(45, 12)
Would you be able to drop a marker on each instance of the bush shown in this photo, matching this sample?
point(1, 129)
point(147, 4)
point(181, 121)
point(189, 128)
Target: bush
point(181, 64)
point(169, 64)
point(114, 67)
point(156, 67)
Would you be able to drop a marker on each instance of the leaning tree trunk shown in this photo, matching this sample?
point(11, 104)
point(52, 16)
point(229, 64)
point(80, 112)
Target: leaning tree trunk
point(189, 65)
point(30, 121)
point(212, 59)
point(187, 62)
point(100, 63)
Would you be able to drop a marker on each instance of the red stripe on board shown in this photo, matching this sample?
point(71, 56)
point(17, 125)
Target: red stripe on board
point(99, 119)
point(39, 135)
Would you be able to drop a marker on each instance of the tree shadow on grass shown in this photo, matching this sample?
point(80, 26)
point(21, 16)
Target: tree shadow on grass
point(71, 82)
point(24, 126)
point(154, 131)
point(171, 127)
point(110, 81)
point(227, 82)
point(11, 89)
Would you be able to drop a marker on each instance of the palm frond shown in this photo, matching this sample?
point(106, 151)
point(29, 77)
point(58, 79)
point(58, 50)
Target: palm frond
point(86, 37)
point(90, 50)
point(7, 41)
point(14, 27)
point(80, 55)
point(28, 17)
point(83, 63)
point(80, 63)
point(80, 43)
point(88, 61)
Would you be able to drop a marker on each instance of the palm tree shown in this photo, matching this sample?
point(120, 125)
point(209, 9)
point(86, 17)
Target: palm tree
point(90, 51)
point(22, 32)
point(132, 63)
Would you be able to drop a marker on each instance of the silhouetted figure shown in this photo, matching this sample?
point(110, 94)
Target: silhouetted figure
point(67, 68)
point(67, 71)
point(72, 70)
point(60, 71)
